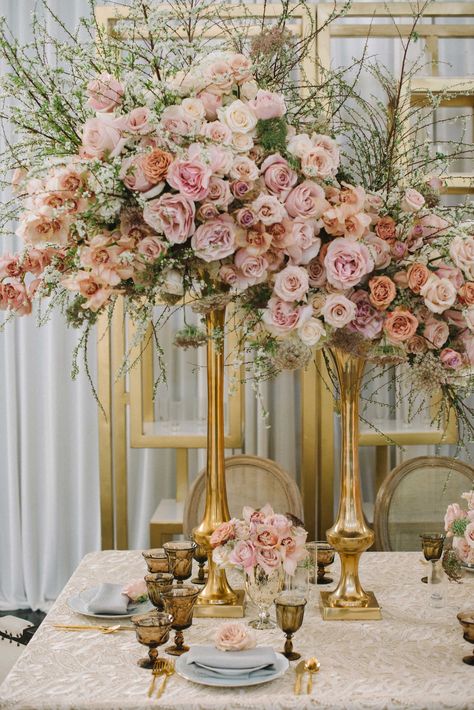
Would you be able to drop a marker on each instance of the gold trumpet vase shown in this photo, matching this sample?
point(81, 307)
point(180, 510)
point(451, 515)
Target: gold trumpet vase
point(350, 535)
point(217, 598)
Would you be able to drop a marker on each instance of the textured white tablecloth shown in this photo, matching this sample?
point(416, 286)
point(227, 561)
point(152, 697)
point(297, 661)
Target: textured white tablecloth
point(410, 659)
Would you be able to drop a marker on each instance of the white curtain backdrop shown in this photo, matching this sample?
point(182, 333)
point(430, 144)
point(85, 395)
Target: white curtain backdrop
point(49, 474)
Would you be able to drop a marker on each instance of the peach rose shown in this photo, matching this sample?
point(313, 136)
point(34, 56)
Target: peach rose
point(234, 636)
point(243, 143)
point(219, 77)
point(338, 310)
point(256, 240)
point(386, 229)
point(105, 93)
point(40, 228)
point(400, 325)
point(241, 68)
point(417, 345)
point(436, 333)
point(316, 273)
point(356, 225)
point(222, 534)
point(353, 198)
point(94, 290)
point(412, 201)
point(268, 209)
point(382, 292)
point(334, 221)
point(379, 249)
point(244, 169)
point(151, 248)
point(417, 276)
point(439, 294)
point(13, 295)
point(155, 165)
point(466, 293)
point(291, 284)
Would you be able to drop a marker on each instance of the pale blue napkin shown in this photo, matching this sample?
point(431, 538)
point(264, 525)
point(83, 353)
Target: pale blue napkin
point(255, 662)
point(108, 599)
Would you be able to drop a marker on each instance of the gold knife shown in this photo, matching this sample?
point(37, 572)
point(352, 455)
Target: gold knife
point(83, 627)
point(300, 670)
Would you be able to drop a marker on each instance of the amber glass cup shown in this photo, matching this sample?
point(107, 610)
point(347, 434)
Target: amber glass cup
point(179, 602)
point(180, 558)
point(152, 630)
point(156, 584)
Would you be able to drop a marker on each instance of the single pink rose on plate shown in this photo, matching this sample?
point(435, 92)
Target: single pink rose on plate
point(136, 590)
point(234, 636)
point(105, 93)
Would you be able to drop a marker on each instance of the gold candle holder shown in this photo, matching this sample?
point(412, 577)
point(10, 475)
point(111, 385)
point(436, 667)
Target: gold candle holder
point(289, 614)
point(180, 558)
point(350, 535)
point(152, 630)
point(156, 560)
point(200, 555)
point(466, 619)
point(217, 598)
point(179, 602)
point(156, 585)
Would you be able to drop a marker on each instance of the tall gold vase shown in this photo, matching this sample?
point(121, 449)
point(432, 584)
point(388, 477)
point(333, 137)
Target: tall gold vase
point(217, 598)
point(350, 535)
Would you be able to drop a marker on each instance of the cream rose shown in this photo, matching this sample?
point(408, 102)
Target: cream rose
point(338, 310)
point(311, 332)
point(412, 201)
point(439, 294)
point(461, 250)
point(291, 284)
point(234, 636)
point(238, 116)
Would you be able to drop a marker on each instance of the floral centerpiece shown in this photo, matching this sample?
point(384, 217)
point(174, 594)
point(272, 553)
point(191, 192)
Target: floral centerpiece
point(263, 544)
point(459, 526)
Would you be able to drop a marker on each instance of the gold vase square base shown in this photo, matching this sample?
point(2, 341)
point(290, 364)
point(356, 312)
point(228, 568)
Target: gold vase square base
point(371, 612)
point(222, 611)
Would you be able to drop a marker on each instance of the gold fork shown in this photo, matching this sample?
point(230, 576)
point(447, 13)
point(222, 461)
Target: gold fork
point(158, 669)
point(168, 670)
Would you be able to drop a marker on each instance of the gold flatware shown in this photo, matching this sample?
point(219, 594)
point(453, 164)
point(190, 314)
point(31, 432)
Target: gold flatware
point(103, 629)
point(168, 670)
point(312, 665)
point(300, 670)
point(156, 671)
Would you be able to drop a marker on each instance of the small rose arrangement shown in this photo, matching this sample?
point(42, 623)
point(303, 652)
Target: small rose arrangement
point(262, 538)
point(234, 636)
point(459, 525)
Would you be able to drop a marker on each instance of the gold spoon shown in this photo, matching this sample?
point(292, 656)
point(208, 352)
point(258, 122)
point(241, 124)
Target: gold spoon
point(312, 665)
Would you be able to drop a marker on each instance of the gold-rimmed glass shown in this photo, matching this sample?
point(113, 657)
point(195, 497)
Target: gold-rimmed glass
point(179, 602)
point(289, 614)
point(156, 584)
point(152, 630)
point(180, 558)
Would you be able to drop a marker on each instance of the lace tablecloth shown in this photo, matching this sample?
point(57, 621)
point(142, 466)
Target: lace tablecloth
point(410, 659)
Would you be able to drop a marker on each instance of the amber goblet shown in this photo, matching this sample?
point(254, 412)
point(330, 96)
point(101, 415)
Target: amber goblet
point(156, 584)
point(180, 558)
point(152, 630)
point(325, 554)
point(466, 619)
point(200, 555)
point(179, 602)
point(432, 546)
point(156, 560)
point(289, 615)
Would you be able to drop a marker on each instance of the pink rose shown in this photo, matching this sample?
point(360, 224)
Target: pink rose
point(469, 534)
point(250, 515)
point(330, 145)
point(367, 320)
point(41, 228)
point(281, 317)
point(454, 512)
point(316, 273)
point(461, 250)
point(269, 559)
point(94, 290)
point(304, 244)
point(240, 188)
point(318, 163)
point(252, 268)
point(190, 178)
point(244, 555)
point(347, 262)
point(432, 225)
point(222, 534)
point(400, 325)
point(291, 284)
point(101, 137)
point(177, 122)
point(451, 359)
point(234, 636)
point(436, 332)
point(10, 266)
point(13, 295)
point(217, 132)
point(219, 192)
point(338, 311)
point(452, 273)
point(244, 169)
point(136, 589)
point(245, 217)
point(138, 121)
point(241, 68)
point(268, 209)
point(211, 103)
point(412, 201)
point(219, 77)
point(306, 200)
point(105, 93)
point(280, 522)
point(151, 248)
point(439, 294)
point(462, 548)
point(267, 105)
point(173, 215)
point(215, 239)
point(278, 176)
point(133, 175)
point(379, 249)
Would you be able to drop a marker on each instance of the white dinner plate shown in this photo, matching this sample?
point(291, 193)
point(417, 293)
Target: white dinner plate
point(189, 672)
point(468, 568)
point(79, 602)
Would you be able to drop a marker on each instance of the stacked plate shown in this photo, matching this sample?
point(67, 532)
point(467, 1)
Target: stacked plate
point(228, 669)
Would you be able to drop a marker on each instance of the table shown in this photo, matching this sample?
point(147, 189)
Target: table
point(410, 659)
